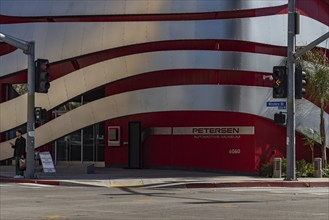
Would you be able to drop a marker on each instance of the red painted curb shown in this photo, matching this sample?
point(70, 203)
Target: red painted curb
point(45, 182)
point(257, 184)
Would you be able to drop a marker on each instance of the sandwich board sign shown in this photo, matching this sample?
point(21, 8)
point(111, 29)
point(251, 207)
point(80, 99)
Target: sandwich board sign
point(47, 162)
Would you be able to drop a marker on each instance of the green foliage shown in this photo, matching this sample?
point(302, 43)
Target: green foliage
point(303, 169)
point(316, 65)
point(325, 172)
point(266, 170)
point(300, 167)
point(283, 166)
point(20, 88)
point(311, 137)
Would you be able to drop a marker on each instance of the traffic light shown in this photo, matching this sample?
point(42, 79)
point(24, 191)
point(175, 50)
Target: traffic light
point(42, 76)
point(40, 115)
point(279, 82)
point(279, 118)
point(300, 83)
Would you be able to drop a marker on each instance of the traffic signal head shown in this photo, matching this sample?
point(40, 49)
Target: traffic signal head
point(300, 83)
point(42, 76)
point(279, 82)
point(40, 115)
point(279, 118)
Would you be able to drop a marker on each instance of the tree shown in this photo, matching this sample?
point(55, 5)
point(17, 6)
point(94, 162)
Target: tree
point(316, 65)
point(20, 88)
point(311, 140)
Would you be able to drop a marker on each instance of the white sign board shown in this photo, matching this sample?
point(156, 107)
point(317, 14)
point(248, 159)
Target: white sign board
point(47, 162)
point(241, 130)
point(114, 136)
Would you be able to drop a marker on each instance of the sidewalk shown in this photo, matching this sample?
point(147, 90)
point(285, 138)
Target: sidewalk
point(150, 178)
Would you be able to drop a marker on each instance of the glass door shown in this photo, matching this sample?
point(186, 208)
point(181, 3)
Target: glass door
point(83, 145)
point(93, 143)
point(68, 148)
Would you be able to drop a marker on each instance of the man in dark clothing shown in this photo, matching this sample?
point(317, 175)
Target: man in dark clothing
point(19, 152)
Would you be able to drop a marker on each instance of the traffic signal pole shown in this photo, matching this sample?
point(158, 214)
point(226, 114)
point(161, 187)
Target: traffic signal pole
point(291, 125)
point(30, 166)
point(292, 56)
point(28, 49)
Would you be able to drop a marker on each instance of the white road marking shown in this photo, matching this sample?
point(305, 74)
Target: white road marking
point(320, 191)
point(34, 185)
point(5, 185)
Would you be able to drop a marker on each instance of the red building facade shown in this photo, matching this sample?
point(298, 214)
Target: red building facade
point(195, 75)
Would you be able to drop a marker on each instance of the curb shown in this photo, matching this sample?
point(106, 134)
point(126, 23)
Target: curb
point(44, 182)
point(257, 184)
point(177, 185)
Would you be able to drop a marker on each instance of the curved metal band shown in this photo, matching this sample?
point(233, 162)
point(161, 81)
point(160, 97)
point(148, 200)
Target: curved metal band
point(60, 41)
point(108, 7)
point(91, 77)
point(172, 98)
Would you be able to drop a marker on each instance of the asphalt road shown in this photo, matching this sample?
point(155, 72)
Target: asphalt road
point(32, 201)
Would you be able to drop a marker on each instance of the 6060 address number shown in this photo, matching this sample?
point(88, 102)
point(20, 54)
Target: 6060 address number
point(234, 151)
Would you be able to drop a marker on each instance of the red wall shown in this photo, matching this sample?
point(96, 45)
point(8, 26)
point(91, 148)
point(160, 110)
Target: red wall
point(185, 151)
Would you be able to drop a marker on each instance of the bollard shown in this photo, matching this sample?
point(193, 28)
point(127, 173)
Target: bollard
point(318, 167)
point(277, 168)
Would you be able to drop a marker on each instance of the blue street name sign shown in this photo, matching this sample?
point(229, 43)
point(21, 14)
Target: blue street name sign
point(280, 105)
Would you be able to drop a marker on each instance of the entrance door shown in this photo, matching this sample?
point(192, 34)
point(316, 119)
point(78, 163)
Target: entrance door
point(93, 143)
point(134, 145)
point(68, 148)
point(83, 145)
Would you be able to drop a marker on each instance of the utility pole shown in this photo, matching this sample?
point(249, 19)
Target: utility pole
point(291, 125)
point(28, 49)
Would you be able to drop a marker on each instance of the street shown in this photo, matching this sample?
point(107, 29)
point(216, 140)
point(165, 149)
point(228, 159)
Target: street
point(33, 201)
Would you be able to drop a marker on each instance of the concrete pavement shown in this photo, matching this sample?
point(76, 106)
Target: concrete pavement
point(84, 203)
point(155, 178)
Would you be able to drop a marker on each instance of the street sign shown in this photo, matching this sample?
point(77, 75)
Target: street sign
point(280, 105)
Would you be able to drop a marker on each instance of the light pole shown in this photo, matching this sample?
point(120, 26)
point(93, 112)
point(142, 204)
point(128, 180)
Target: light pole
point(28, 49)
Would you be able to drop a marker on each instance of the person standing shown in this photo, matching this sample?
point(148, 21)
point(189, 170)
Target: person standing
point(19, 152)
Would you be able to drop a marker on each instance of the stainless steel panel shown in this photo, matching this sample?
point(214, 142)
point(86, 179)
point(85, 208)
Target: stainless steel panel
point(98, 78)
point(71, 43)
point(67, 40)
point(56, 128)
point(307, 33)
point(5, 113)
point(160, 131)
point(56, 94)
point(42, 135)
point(103, 7)
point(74, 83)
point(86, 79)
point(175, 98)
point(100, 111)
point(84, 116)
